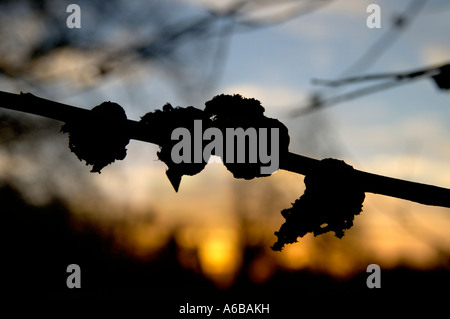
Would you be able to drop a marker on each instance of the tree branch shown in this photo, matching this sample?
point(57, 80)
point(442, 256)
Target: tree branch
point(372, 183)
point(377, 184)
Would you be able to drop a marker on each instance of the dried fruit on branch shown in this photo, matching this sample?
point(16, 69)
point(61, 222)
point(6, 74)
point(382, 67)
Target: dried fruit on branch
point(331, 200)
point(167, 121)
point(334, 190)
point(235, 111)
point(101, 138)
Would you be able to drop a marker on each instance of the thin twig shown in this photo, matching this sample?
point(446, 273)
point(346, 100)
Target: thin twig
point(372, 183)
point(395, 80)
point(427, 72)
point(348, 96)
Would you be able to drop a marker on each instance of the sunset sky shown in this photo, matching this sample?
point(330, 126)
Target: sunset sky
point(402, 132)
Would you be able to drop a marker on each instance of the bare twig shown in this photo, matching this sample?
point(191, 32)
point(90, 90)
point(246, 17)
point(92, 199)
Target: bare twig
point(321, 103)
point(372, 183)
point(439, 74)
point(370, 56)
point(427, 72)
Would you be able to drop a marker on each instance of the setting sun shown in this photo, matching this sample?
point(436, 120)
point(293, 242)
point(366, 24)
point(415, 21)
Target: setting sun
point(220, 255)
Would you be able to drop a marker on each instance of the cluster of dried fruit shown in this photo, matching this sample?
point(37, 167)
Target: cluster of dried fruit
point(331, 199)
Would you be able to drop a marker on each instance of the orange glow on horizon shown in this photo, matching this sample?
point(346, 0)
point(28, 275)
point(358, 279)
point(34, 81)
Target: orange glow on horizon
point(295, 256)
point(220, 256)
point(213, 226)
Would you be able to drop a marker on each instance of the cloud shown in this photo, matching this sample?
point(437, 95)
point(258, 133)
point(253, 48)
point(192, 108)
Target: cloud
point(211, 4)
point(435, 54)
point(271, 97)
point(350, 8)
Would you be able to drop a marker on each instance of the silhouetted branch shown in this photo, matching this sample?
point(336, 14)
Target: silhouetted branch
point(319, 103)
point(440, 75)
point(421, 193)
point(377, 184)
point(427, 72)
point(334, 192)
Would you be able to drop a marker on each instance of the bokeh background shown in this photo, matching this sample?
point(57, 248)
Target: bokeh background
point(133, 236)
